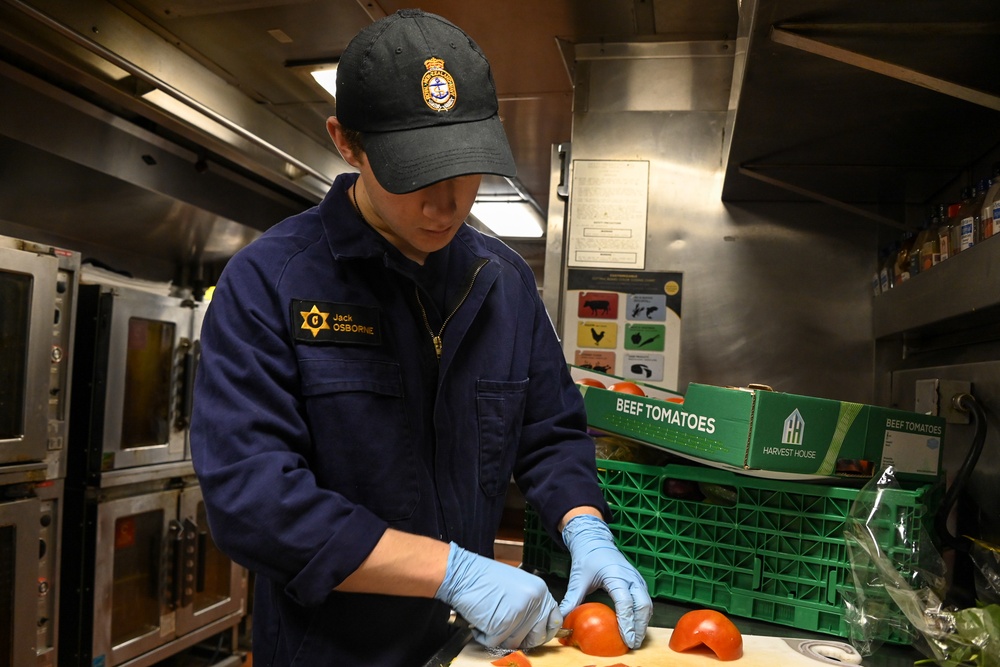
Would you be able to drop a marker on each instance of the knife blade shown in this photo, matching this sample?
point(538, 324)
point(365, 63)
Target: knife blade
point(497, 652)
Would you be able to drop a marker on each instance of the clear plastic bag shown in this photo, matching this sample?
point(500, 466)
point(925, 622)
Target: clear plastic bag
point(986, 558)
point(947, 636)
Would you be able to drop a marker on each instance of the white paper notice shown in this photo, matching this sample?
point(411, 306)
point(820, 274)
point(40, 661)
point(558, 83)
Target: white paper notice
point(607, 214)
point(911, 452)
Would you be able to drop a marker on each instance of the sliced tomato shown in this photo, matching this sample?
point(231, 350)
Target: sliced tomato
point(595, 630)
point(515, 659)
point(706, 627)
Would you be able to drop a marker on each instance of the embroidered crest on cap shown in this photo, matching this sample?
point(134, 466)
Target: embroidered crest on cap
point(325, 322)
point(438, 86)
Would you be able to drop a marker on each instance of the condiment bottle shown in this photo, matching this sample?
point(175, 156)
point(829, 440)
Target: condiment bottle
point(990, 218)
point(944, 233)
point(901, 265)
point(886, 278)
point(969, 216)
point(930, 251)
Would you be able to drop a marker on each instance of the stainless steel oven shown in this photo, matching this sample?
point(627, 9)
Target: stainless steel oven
point(152, 580)
point(29, 573)
point(132, 377)
point(38, 285)
point(18, 556)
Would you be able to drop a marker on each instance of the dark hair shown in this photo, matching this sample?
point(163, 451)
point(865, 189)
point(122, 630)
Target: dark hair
point(354, 140)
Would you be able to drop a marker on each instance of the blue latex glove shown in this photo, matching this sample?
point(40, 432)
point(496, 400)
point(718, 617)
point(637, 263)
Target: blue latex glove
point(504, 605)
point(597, 563)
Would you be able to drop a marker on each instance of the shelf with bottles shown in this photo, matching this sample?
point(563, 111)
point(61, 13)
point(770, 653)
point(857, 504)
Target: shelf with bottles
point(947, 232)
point(963, 284)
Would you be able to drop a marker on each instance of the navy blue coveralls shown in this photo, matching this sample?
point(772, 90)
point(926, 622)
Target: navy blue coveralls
point(322, 416)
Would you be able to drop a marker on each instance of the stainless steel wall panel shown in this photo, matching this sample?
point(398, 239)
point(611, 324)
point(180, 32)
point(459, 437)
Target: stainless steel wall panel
point(682, 76)
point(773, 293)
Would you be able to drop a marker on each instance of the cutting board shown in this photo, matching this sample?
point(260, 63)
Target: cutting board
point(758, 651)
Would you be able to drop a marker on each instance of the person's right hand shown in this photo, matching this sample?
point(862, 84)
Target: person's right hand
point(504, 605)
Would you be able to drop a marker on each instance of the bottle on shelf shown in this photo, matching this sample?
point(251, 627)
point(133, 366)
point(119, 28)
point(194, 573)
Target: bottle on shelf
point(969, 216)
point(944, 232)
point(956, 213)
point(930, 251)
point(990, 222)
point(886, 278)
point(901, 262)
point(877, 273)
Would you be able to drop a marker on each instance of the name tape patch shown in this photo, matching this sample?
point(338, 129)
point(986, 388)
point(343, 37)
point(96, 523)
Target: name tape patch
point(326, 322)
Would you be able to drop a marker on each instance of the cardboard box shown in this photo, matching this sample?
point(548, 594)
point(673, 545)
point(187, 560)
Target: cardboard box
point(578, 373)
point(776, 435)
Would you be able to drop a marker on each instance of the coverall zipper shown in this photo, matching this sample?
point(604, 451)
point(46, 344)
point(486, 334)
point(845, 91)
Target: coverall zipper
point(437, 338)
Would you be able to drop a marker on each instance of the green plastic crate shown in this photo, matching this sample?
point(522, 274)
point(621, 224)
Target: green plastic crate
point(770, 550)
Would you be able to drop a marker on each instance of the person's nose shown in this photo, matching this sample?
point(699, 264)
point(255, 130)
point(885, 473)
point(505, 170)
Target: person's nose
point(440, 202)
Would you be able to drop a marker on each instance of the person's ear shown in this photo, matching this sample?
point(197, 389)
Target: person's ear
point(336, 132)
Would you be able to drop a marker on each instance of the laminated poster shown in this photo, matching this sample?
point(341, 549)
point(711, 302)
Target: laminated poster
point(625, 323)
point(607, 214)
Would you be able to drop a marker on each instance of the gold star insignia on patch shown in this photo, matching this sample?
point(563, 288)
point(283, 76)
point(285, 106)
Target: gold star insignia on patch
point(314, 320)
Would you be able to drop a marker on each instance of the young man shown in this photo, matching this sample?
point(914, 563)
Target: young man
point(374, 373)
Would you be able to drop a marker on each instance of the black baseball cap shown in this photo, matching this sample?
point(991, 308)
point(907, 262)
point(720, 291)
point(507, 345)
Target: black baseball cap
point(422, 95)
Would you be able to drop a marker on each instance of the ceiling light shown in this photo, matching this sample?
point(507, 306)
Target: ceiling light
point(513, 219)
point(326, 76)
point(319, 75)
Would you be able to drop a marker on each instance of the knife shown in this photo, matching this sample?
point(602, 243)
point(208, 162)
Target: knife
point(496, 651)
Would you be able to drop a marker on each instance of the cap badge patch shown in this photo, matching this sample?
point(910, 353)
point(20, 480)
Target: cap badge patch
point(438, 86)
point(314, 320)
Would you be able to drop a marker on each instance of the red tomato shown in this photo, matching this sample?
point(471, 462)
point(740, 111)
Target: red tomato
point(709, 628)
point(591, 382)
point(675, 399)
point(515, 659)
point(627, 387)
point(595, 630)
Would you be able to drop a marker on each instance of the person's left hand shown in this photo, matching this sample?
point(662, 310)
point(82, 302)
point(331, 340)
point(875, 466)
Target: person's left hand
point(597, 563)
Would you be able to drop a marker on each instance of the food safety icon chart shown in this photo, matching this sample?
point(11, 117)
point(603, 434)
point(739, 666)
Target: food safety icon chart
point(625, 323)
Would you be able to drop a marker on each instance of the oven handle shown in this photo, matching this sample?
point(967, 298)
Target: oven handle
point(202, 555)
point(191, 360)
point(177, 574)
point(189, 562)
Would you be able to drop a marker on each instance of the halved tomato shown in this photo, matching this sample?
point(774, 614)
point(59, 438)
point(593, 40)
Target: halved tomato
point(711, 629)
point(515, 659)
point(595, 630)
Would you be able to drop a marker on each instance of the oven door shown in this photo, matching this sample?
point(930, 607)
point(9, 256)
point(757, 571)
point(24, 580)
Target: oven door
point(132, 609)
point(50, 496)
point(213, 586)
point(27, 307)
point(149, 340)
point(18, 581)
